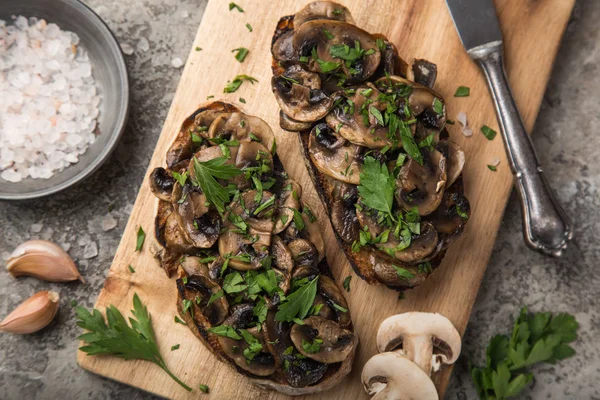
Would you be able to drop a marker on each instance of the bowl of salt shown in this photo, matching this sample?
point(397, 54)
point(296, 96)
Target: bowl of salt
point(64, 95)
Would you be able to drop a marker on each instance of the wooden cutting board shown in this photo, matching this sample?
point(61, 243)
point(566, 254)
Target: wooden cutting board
point(419, 28)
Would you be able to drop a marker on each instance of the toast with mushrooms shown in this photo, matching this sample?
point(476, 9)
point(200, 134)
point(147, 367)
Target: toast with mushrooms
point(253, 284)
point(373, 133)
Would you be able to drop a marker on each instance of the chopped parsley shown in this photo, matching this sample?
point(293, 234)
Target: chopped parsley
point(347, 283)
point(205, 173)
point(237, 82)
point(141, 236)
point(462, 91)
point(249, 27)
point(131, 269)
point(376, 186)
point(204, 388)
point(403, 273)
point(312, 348)
point(298, 303)
point(488, 132)
point(240, 53)
point(232, 5)
point(176, 347)
point(492, 168)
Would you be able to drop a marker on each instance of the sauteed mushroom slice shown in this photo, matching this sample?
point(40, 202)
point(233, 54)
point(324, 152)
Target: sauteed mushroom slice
point(337, 161)
point(199, 223)
point(357, 123)
point(391, 62)
point(326, 46)
point(455, 159)
point(161, 183)
point(323, 340)
point(252, 357)
point(197, 292)
point(394, 273)
point(292, 125)
point(343, 211)
point(422, 186)
point(175, 238)
point(242, 127)
point(421, 245)
point(283, 262)
point(283, 47)
point(247, 236)
point(289, 204)
point(423, 72)
point(453, 212)
point(322, 10)
point(301, 371)
point(334, 297)
point(304, 252)
point(299, 95)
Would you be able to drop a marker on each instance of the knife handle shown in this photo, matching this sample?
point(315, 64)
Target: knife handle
point(546, 228)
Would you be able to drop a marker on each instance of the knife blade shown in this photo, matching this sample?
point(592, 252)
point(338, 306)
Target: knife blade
point(546, 228)
point(477, 24)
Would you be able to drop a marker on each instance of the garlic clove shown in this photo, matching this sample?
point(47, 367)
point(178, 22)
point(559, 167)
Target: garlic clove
point(43, 260)
point(33, 314)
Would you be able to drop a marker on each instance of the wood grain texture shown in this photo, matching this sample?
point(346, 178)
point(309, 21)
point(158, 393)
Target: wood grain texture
point(419, 28)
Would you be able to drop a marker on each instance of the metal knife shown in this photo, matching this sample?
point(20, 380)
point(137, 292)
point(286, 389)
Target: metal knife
point(546, 228)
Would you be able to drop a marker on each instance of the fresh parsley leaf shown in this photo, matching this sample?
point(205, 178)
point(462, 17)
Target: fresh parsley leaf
point(254, 345)
point(377, 114)
point(462, 91)
point(249, 27)
point(339, 308)
point(347, 283)
point(312, 348)
point(328, 34)
point(408, 143)
point(232, 5)
point(117, 338)
point(488, 132)
point(214, 297)
point(182, 178)
point(141, 236)
point(403, 273)
point(298, 303)
point(376, 187)
point(438, 106)
point(535, 338)
point(237, 82)
point(175, 347)
point(204, 388)
point(226, 331)
point(205, 173)
point(233, 283)
point(198, 49)
point(492, 168)
point(131, 269)
point(241, 53)
point(179, 321)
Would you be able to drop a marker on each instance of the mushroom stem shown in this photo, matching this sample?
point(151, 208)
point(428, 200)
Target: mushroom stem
point(420, 350)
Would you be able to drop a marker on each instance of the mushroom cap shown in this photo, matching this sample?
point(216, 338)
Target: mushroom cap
point(425, 338)
point(335, 342)
point(322, 10)
point(340, 163)
point(393, 376)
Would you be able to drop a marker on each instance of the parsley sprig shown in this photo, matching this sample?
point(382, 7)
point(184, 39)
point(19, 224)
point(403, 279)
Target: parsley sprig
point(117, 338)
point(377, 186)
point(205, 173)
point(298, 304)
point(536, 338)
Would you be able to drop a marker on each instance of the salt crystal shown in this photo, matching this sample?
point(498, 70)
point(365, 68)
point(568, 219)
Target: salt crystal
point(108, 222)
point(143, 44)
point(177, 62)
point(127, 49)
point(83, 240)
point(462, 118)
point(36, 228)
point(65, 246)
point(495, 162)
point(90, 250)
point(11, 176)
point(467, 131)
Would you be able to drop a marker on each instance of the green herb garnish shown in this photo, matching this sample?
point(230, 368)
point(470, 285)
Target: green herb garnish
point(298, 303)
point(312, 348)
point(117, 338)
point(204, 388)
point(536, 338)
point(226, 331)
point(376, 186)
point(347, 283)
point(488, 132)
point(141, 236)
point(241, 53)
point(232, 5)
point(249, 27)
point(403, 273)
point(492, 168)
point(131, 269)
point(182, 178)
point(237, 82)
point(438, 106)
point(205, 173)
point(179, 321)
point(462, 91)
point(175, 347)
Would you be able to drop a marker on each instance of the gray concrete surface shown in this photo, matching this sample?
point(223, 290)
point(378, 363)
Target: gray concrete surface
point(42, 365)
